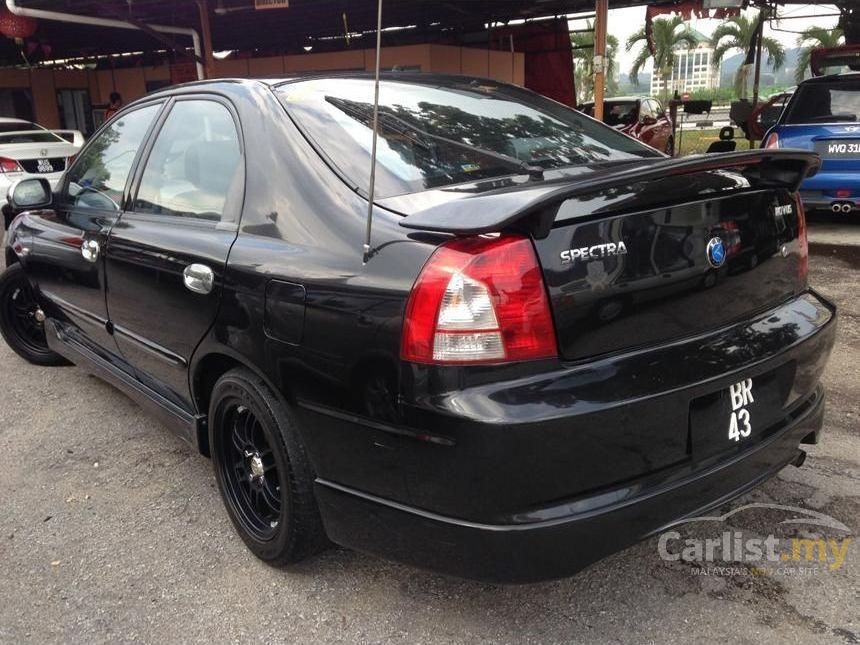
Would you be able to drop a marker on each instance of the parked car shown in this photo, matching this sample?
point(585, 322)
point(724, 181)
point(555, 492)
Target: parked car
point(823, 116)
point(27, 149)
point(542, 357)
point(639, 116)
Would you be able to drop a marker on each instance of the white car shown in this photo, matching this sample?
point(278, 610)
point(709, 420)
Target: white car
point(29, 150)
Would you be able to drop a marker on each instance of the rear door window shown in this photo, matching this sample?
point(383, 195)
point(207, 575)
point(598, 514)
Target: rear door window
point(194, 165)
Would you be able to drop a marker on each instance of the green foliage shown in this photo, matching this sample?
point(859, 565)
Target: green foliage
point(669, 34)
point(813, 38)
point(737, 33)
point(583, 67)
point(720, 95)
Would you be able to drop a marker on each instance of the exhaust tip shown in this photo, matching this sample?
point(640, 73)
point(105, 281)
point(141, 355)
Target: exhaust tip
point(836, 207)
point(799, 458)
point(847, 208)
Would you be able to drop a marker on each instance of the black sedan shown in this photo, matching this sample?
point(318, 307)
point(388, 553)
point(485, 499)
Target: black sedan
point(549, 351)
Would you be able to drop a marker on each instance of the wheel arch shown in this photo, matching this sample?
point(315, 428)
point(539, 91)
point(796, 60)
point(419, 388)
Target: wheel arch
point(206, 369)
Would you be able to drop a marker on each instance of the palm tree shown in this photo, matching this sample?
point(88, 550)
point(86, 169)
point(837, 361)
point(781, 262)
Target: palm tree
point(582, 43)
point(667, 37)
point(813, 38)
point(738, 32)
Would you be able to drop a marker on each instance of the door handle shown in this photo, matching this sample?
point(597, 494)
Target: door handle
point(198, 278)
point(90, 250)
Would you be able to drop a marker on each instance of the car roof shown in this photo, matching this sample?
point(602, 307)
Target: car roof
point(422, 78)
point(829, 78)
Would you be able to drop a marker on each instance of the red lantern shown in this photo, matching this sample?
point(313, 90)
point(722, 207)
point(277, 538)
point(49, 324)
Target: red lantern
point(18, 27)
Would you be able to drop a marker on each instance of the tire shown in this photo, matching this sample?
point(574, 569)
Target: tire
point(670, 147)
point(259, 459)
point(19, 319)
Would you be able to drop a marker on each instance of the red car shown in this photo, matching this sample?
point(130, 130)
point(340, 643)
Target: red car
point(639, 116)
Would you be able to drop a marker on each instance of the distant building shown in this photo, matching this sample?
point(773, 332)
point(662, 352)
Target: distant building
point(691, 70)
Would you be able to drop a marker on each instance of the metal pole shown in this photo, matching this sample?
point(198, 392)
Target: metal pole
point(601, 17)
point(758, 35)
point(206, 34)
point(372, 187)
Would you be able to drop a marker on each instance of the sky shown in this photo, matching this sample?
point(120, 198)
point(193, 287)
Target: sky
point(625, 22)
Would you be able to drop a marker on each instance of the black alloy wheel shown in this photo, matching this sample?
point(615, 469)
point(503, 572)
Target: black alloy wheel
point(250, 472)
point(22, 320)
point(263, 473)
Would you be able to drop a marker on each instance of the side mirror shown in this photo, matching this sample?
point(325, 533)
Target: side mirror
point(28, 194)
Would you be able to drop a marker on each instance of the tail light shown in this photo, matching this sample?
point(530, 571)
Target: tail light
point(803, 268)
point(479, 300)
point(10, 165)
point(771, 141)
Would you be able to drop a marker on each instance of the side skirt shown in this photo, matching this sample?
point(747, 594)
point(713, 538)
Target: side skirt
point(183, 423)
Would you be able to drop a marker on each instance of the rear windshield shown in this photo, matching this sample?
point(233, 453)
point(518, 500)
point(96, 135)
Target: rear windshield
point(619, 113)
point(433, 135)
point(825, 102)
point(33, 136)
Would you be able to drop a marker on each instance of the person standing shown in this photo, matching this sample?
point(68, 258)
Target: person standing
point(114, 105)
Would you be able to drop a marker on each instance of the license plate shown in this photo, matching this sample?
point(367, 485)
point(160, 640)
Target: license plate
point(838, 149)
point(44, 165)
point(740, 414)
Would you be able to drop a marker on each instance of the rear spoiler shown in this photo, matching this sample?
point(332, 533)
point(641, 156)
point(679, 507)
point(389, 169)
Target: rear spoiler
point(493, 211)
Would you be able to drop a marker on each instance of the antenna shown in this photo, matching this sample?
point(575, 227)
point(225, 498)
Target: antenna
point(372, 187)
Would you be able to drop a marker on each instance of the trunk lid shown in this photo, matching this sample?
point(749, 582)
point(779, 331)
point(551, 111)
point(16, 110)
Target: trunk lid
point(43, 157)
point(663, 250)
point(838, 145)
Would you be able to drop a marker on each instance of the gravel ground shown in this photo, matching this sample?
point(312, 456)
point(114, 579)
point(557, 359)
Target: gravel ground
point(111, 530)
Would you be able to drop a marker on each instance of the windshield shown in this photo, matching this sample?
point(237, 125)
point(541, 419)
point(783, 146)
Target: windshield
point(433, 136)
point(825, 102)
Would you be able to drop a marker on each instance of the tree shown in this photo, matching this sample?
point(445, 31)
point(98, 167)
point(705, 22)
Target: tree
point(738, 32)
point(583, 63)
point(813, 38)
point(667, 37)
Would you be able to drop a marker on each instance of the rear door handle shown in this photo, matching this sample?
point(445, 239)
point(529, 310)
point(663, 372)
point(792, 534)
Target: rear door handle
point(198, 278)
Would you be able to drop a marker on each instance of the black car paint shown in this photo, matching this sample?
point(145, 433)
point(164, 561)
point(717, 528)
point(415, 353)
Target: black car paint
point(450, 467)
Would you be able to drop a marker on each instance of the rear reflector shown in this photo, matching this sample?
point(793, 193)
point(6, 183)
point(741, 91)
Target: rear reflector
point(479, 300)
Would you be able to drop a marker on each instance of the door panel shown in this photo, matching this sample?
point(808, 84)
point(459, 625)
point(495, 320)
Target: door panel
point(157, 320)
point(68, 262)
point(184, 213)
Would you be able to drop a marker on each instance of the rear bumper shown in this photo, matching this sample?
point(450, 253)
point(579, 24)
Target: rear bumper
point(571, 540)
point(513, 476)
point(820, 191)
